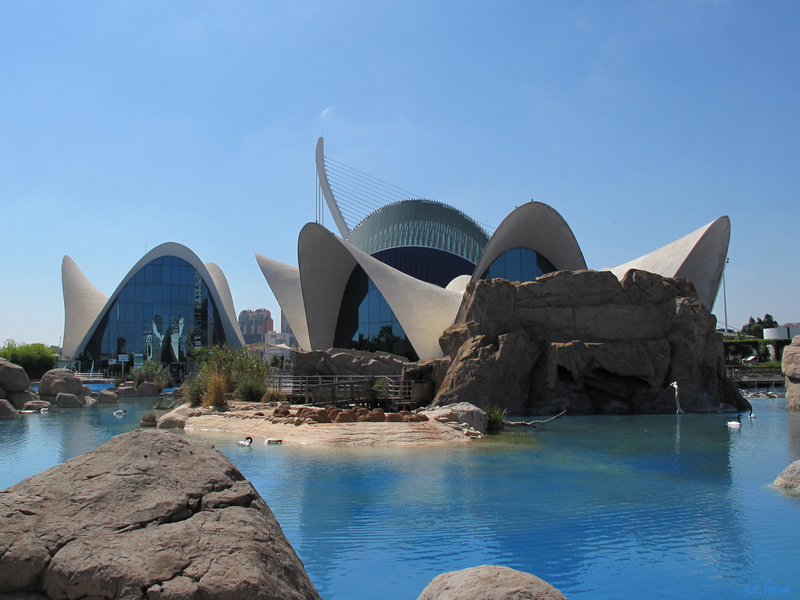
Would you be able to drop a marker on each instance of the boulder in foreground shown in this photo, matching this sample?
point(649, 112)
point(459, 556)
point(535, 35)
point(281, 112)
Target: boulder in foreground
point(150, 515)
point(789, 479)
point(489, 583)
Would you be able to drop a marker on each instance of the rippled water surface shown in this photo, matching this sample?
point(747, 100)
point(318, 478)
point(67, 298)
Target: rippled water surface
point(601, 507)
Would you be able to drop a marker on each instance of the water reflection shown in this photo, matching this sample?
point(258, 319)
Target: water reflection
point(670, 505)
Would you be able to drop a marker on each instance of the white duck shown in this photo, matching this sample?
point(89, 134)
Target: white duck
point(751, 415)
point(119, 413)
point(272, 441)
point(245, 442)
point(737, 424)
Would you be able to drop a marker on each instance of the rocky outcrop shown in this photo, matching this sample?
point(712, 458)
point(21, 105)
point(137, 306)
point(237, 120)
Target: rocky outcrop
point(588, 343)
point(148, 389)
point(56, 381)
point(790, 365)
point(174, 419)
point(338, 361)
point(64, 400)
point(489, 583)
point(789, 479)
point(107, 396)
point(150, 515)
point(13, 377)
point(7, 411)
point(20, 399)
point(36, 405)
point(462, 412)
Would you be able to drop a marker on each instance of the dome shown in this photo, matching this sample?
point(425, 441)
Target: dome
point(420, 223)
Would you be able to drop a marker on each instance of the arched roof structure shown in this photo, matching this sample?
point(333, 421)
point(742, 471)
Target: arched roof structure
point(81, 323)
point(699, 256)
point(538, 227)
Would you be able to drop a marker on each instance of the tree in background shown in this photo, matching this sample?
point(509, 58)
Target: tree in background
point(36, 359)
point(756, 327)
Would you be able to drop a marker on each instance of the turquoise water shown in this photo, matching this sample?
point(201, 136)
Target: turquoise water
point(601, 507)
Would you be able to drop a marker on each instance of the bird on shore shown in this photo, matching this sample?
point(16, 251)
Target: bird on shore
point(269, 441)
point(751, 415)
point(245, 442)
point(44, 409)
point(737, 424)
point(679, 410)
point(119, 413)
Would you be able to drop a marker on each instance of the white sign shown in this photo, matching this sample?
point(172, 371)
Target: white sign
point(123, 358)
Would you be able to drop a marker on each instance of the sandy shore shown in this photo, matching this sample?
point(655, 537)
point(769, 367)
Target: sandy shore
point(241, 424)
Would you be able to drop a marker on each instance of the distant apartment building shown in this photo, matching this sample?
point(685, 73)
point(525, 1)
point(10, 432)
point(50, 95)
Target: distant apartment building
point(257, 331)
point(255, 322)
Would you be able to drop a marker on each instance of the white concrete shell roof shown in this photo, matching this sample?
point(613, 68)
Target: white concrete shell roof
point(284, 281)
point(76, 287)
point(699, 256)
point(82, 303)
point(325, 265)
point(540, 228)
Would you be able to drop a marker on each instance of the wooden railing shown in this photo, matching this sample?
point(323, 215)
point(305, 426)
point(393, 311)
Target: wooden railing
point(348, 389)
point(90, 376)
point(752, 376)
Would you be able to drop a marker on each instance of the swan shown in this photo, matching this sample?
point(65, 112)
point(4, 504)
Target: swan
point(44, 409)
point(246, 441)
point(737, 424)
point(751, 415)
point(119, 413)
point(679, 410)
point(272, 441)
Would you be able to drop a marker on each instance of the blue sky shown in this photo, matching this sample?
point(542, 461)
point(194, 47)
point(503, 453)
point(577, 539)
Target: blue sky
point(127, 124)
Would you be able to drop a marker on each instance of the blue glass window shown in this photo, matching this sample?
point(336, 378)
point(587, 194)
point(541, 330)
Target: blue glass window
point(519, 264)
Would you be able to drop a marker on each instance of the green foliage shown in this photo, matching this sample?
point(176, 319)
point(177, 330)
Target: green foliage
point(496, 416)
point(274, 396)
point(118, 381)
point(737, 349)
point(251, 389)
point(36, 359)
point(149, 419)
point(277, 361)
point(193, 390)
point(756, 327)
point(224, 370)
point(153, 372)
point(215, 390)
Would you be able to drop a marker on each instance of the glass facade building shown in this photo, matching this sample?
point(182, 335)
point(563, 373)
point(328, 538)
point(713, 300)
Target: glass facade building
point(519, 264)
point(366, 322)
point(163, 312)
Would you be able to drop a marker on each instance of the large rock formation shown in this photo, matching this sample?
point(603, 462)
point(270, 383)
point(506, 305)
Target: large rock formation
point(7, 411)
point(13, 377)
point(338, 361)
point(790, 365)
point(489, 583)
point(57, 381)
point(789, 479)
point(148, 514)
point(589, 343)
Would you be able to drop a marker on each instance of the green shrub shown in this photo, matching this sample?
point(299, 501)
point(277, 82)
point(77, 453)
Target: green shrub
point(149, 419)
point(36, 359)
point(215, 390)
point(193, 390)
point(273, 396)
point(251, 389)
point(496, 416)
point(152, 372)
